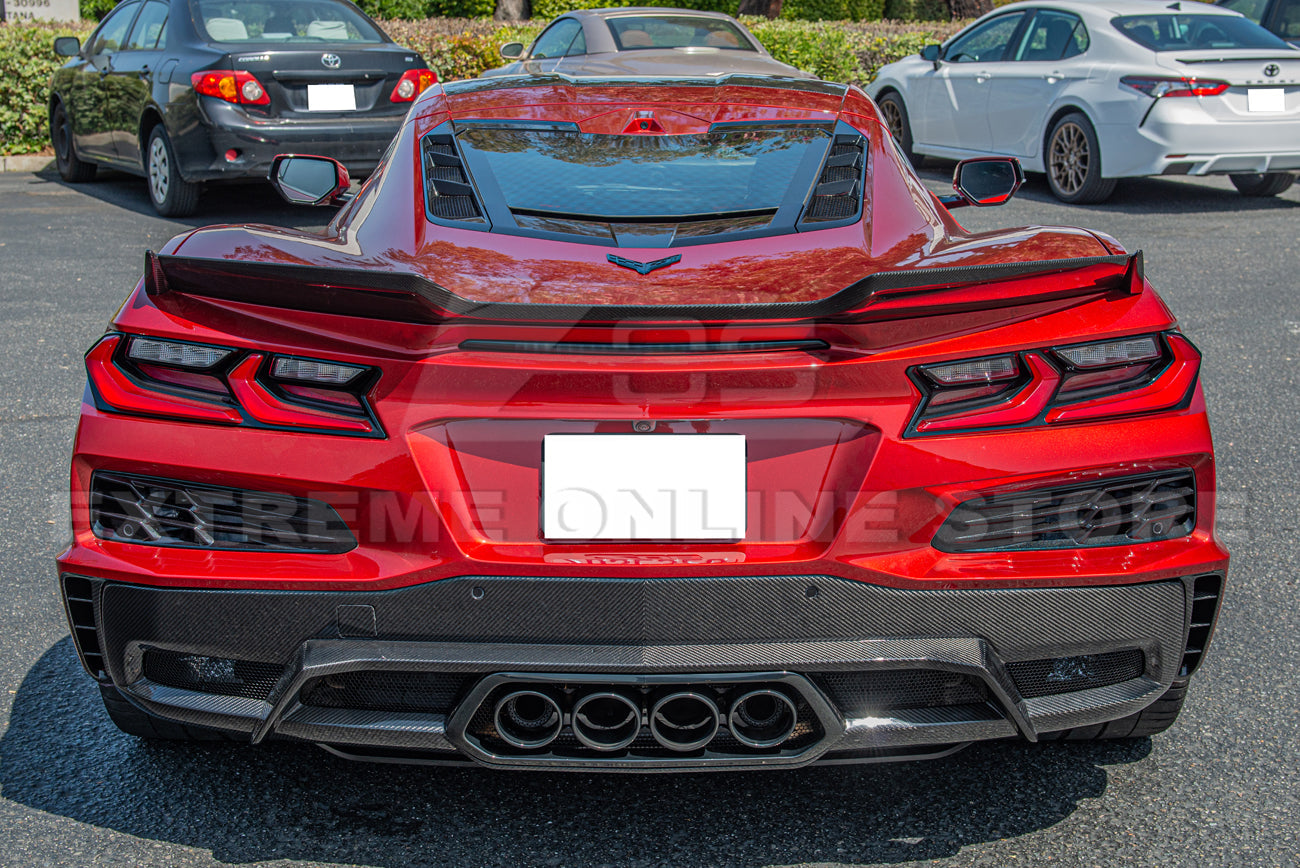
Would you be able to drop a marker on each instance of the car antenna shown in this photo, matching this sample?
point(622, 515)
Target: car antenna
point(1177, 7)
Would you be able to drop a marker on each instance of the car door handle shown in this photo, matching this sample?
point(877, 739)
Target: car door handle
point(981, 77)
point(1054, 77)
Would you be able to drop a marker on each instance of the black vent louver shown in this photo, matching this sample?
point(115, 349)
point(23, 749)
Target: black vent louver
point(838, 194)
point(79, 601)
point(1055, 675)
point(1206, 592)
point(450, 195)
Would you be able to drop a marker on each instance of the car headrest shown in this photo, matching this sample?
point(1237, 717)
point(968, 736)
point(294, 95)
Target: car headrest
point(636, 39)
point(722, 39)
point(334, 31)
point(226, 29)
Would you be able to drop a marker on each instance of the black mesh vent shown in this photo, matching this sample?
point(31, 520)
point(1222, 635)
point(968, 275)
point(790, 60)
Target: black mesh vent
point(867, 694)
point(217, 675)
point(79, 598)
point(428, 692)
point(1113, 512)
point(1065, 674)
point(838, 194)
point(1206, 592)
point(164, 512)
point(447, 187)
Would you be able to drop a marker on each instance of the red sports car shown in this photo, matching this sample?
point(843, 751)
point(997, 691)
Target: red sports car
point(628, 425)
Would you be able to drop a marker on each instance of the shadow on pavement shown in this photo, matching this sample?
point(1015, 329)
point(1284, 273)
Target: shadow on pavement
point(288, 801)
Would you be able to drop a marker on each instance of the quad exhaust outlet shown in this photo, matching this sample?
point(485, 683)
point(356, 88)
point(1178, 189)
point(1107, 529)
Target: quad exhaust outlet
point(762, 718)
point(528, 719)
point(606, 721)
point(684, 721)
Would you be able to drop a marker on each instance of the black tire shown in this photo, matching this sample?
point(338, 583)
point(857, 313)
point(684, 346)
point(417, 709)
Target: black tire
point(1073, 162)
point(900, 126)
point(171, 195)
point(1266, 184)
point(71, 168)
point(1155, 718)
point(140, 724)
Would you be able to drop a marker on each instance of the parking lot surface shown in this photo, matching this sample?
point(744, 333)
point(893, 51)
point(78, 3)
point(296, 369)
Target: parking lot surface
point(1221, 788)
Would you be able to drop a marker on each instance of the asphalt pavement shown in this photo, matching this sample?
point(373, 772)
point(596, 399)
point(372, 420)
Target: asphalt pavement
point(1221, 788)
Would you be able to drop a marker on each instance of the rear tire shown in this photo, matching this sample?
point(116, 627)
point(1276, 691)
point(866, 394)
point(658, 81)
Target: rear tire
point(172, 195)
point(1266, 184)
point(1154, 719)
point(900, 126)
point(1074, 162)
point(133, 721)
point(71, 168)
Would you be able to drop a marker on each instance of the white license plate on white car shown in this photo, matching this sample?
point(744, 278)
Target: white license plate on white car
point(1265, 99)
point(331, 98)
point(643, 486)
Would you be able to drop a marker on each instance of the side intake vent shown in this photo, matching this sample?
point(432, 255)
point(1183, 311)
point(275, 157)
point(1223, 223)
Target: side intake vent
point(79, 600)
point(838, 194)
point(217, 675)
point(450, 195)
point(1206, 593)
point(1066, 674)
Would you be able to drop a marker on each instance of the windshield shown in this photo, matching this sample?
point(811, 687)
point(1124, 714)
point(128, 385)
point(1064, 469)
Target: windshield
point(298, 21)
point(642, 176)
point(1196, 32)
point(661, 31)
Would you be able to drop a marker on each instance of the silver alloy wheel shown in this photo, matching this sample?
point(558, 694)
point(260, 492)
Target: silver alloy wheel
point(1069, 158)
point(893, 118)
point(159, 170)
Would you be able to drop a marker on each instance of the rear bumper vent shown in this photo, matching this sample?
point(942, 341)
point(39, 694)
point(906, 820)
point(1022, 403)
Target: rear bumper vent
point(79, 603)
point(165, 512)
point(421, 692)
point(1207, 592)
point(876, 694)
point(216, 675)
point(1132, 509)
point(1066, 674)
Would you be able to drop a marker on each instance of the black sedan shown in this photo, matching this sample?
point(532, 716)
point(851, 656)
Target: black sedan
point(185, 92)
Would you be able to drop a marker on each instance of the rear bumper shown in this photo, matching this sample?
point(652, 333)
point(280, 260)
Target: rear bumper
point(1185, 140)
point(357, 142)
point(949, 660)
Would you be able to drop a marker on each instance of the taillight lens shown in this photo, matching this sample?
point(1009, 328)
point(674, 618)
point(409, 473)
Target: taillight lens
point(413, 83)
point(1163, 87)
point(236, 86)
point(203, 383)
point(1078, 382)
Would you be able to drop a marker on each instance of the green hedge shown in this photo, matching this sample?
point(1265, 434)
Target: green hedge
point(547, 9)
point(917, 10)
point(27, 59)
point(833, 10)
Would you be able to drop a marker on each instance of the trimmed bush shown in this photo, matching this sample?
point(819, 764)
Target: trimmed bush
point(917, 10)
point(832, 10)
point(27, 60)
point(821, 48)
point(95, 10)
point(548, 9)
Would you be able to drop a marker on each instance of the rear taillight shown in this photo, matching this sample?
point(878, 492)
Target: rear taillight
point(1078, 382)
point(203, 383)
point(413, 83)
point(1162, 87)
point(236, 86)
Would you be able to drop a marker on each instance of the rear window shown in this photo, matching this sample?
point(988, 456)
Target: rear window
point(573, 174)
point(1195, 32)
point(297, 21)
point(662, 31)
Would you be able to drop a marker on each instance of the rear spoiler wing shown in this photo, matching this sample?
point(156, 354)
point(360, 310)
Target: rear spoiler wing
point(407, 297)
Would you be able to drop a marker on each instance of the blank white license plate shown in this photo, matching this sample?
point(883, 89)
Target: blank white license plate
point(643, 486)
point(331, 98)
point(1266, 99)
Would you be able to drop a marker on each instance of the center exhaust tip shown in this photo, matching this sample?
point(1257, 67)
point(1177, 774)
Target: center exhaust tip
point(528, 719)
point(762, 718)
point(606, 721)
point(684, 721)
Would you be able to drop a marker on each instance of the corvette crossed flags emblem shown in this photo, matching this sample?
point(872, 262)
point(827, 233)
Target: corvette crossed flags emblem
point(643, 267)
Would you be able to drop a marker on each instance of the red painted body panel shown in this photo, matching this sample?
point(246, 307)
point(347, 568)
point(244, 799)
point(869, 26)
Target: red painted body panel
point(836, 486)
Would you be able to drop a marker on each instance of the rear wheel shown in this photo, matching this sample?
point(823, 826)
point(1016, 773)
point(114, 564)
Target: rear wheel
point(140, 724)
point(1155, 718)
point(71, 168)
point(1074, 162)
point(1265, 184)
point(172, 195)
point(895, 115)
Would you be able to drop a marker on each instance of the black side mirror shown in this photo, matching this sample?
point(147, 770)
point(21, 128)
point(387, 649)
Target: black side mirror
point(512, 50)
point(932, 53)
point(67, 46)
point(985, 181)
point(306, 180)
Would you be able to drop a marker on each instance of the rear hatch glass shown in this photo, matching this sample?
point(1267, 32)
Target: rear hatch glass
point(1169, 32)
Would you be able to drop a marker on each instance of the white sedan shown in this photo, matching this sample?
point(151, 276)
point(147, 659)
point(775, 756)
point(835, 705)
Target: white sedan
point(1089, 92)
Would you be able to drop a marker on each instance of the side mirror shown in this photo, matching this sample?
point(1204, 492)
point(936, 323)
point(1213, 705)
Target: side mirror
point(985, 181)
point(932, 53)
point(67, 46)
point(305, 180)
point(512, 50)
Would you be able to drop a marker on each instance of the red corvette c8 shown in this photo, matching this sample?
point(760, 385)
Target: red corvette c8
point(631, 425)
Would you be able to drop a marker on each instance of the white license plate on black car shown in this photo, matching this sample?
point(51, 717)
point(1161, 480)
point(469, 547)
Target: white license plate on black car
point(643, 486)
point(331, 98)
